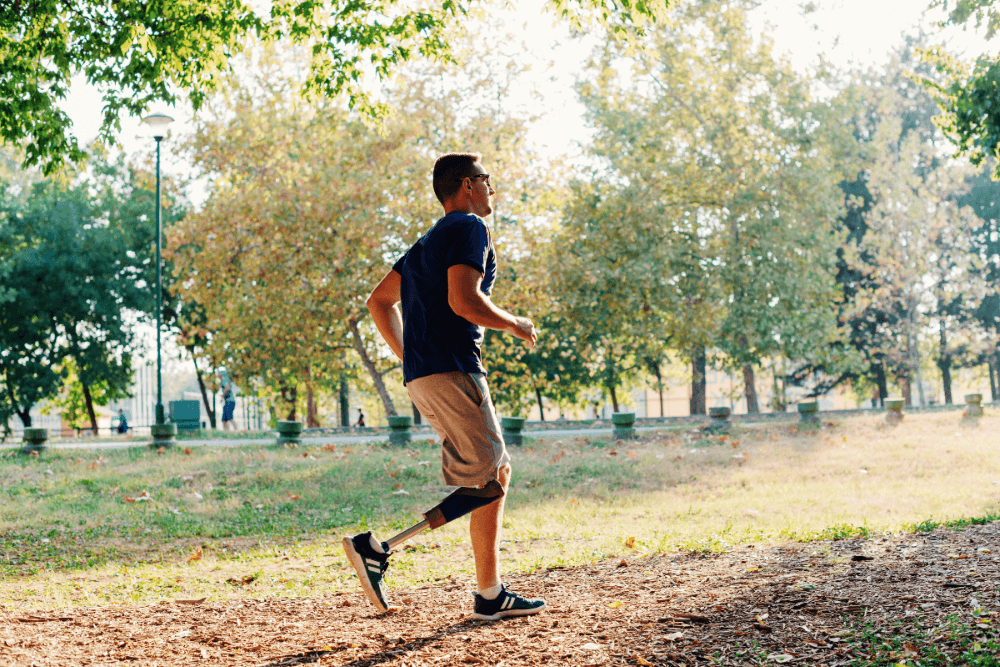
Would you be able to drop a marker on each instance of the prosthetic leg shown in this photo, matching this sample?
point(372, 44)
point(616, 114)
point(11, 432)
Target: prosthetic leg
point(370, 564)
point(458, 503)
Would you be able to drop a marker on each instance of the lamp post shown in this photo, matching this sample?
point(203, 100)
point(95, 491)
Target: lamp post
point(163, 433)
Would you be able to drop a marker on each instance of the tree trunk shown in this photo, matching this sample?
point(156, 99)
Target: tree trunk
point(614, 398)
point(944, 362)
point(289, 394)
point(904, 386)
point(89, 402)
point(416, 414)
point(750, 390)
point(883, 389)
point(541, 408)
point(312, 415)
point(390, 409)
point(655, 366)
point(201, 385)
point(699, 400)
point(991, 362)
point(345, 402)
point(25, 417)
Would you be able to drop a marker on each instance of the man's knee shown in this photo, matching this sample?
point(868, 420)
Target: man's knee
point(503, 475)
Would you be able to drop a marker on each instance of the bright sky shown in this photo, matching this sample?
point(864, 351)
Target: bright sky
point(846, 31)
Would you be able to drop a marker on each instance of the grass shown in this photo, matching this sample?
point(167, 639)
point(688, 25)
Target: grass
point(259, 521)
point(914, 645)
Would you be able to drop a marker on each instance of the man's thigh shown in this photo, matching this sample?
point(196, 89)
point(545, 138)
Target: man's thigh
point(458, 406)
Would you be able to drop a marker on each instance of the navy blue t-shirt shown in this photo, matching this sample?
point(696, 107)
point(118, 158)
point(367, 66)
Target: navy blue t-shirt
point(435, 339)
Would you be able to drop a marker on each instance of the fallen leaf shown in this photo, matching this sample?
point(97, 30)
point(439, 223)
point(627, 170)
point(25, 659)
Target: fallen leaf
point(673, 636)
point(198, 601)
point(591, 647)
point(188, 450)
point(195, 556)
point(779, 657)
point(616, 604)
point(642, 661)
point(630, 543)
point(400, 492)
point(293, 496)
point(160, 450)
point(623, 563)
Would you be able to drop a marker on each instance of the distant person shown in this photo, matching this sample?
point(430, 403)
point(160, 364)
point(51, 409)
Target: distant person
point(122, 422)
point(361, 419)
point(229, 401)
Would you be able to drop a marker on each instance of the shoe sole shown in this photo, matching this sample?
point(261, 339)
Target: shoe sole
point(505, 614)
point(354, 558)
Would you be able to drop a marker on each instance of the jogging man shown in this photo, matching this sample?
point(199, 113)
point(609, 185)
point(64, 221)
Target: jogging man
point(443, 283)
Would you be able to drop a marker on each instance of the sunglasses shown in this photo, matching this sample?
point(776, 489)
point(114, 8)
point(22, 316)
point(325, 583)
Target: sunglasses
point(475, 176)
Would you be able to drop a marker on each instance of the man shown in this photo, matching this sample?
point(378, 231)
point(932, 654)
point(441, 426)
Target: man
point(443, 283)
point(228, 401)
point(122, 422)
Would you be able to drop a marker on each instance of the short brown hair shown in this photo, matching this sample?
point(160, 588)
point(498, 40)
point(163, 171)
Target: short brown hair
point(449, 170)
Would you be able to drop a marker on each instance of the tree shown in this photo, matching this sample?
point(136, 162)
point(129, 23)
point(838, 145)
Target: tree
point(983, 197)
point(728, 156)
point(906, 232)
point(320, 204)
point(141, 53)
point(78, 280)
point(967, 95)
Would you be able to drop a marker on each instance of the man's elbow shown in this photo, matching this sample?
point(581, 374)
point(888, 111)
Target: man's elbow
point(459, 306)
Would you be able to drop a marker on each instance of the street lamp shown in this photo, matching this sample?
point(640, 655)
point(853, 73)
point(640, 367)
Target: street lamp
point(163, 433)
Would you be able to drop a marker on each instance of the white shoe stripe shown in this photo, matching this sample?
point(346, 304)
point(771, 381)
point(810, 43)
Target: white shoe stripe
point(376, 570)
point(371, 562)
point(507, 604)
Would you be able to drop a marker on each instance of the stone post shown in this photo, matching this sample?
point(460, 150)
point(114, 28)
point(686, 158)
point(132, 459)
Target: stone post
point(719, 419)
point(163, 435)
point(289, 433)
point(809, 413)
point(624, 423)
point(400, 433)
point(973, 408)
point(34, 440)
point(894, 410)
point(512, 427)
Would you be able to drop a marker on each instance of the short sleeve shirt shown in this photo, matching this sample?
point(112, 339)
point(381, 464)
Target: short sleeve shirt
point(435, 339)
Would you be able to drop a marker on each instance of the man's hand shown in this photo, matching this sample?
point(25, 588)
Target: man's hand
point(524, 329)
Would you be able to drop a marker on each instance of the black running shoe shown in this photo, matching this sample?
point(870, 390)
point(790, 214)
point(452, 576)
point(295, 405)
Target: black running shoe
point(505, 604)
point(370, 566)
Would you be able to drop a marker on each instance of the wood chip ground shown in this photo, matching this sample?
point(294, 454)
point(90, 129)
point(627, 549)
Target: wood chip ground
point(791, 602)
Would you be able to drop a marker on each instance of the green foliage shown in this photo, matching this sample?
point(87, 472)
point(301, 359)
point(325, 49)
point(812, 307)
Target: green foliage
point(77, 277)
point(141, 53)
point(716, 225)
point(968, 95)
point(71, 400)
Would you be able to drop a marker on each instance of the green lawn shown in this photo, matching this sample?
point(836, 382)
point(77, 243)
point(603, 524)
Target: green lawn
point(111, 526)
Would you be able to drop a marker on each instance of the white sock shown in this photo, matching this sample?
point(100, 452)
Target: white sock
point(376, 545)
point(491, 593)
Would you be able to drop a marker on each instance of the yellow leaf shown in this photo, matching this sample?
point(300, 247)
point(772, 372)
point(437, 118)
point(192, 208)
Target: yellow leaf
point(616, 604)
point(630, 543)
point(642, 661)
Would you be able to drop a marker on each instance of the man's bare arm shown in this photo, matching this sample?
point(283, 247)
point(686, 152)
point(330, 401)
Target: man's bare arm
point(383, 305)
point(466, 298)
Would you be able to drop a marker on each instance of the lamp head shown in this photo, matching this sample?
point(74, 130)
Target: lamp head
point(158, 122)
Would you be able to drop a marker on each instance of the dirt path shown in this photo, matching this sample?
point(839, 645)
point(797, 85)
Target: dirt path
point(783, 603)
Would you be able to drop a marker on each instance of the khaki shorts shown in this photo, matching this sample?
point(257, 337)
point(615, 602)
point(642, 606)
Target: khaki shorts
point(458, 406)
